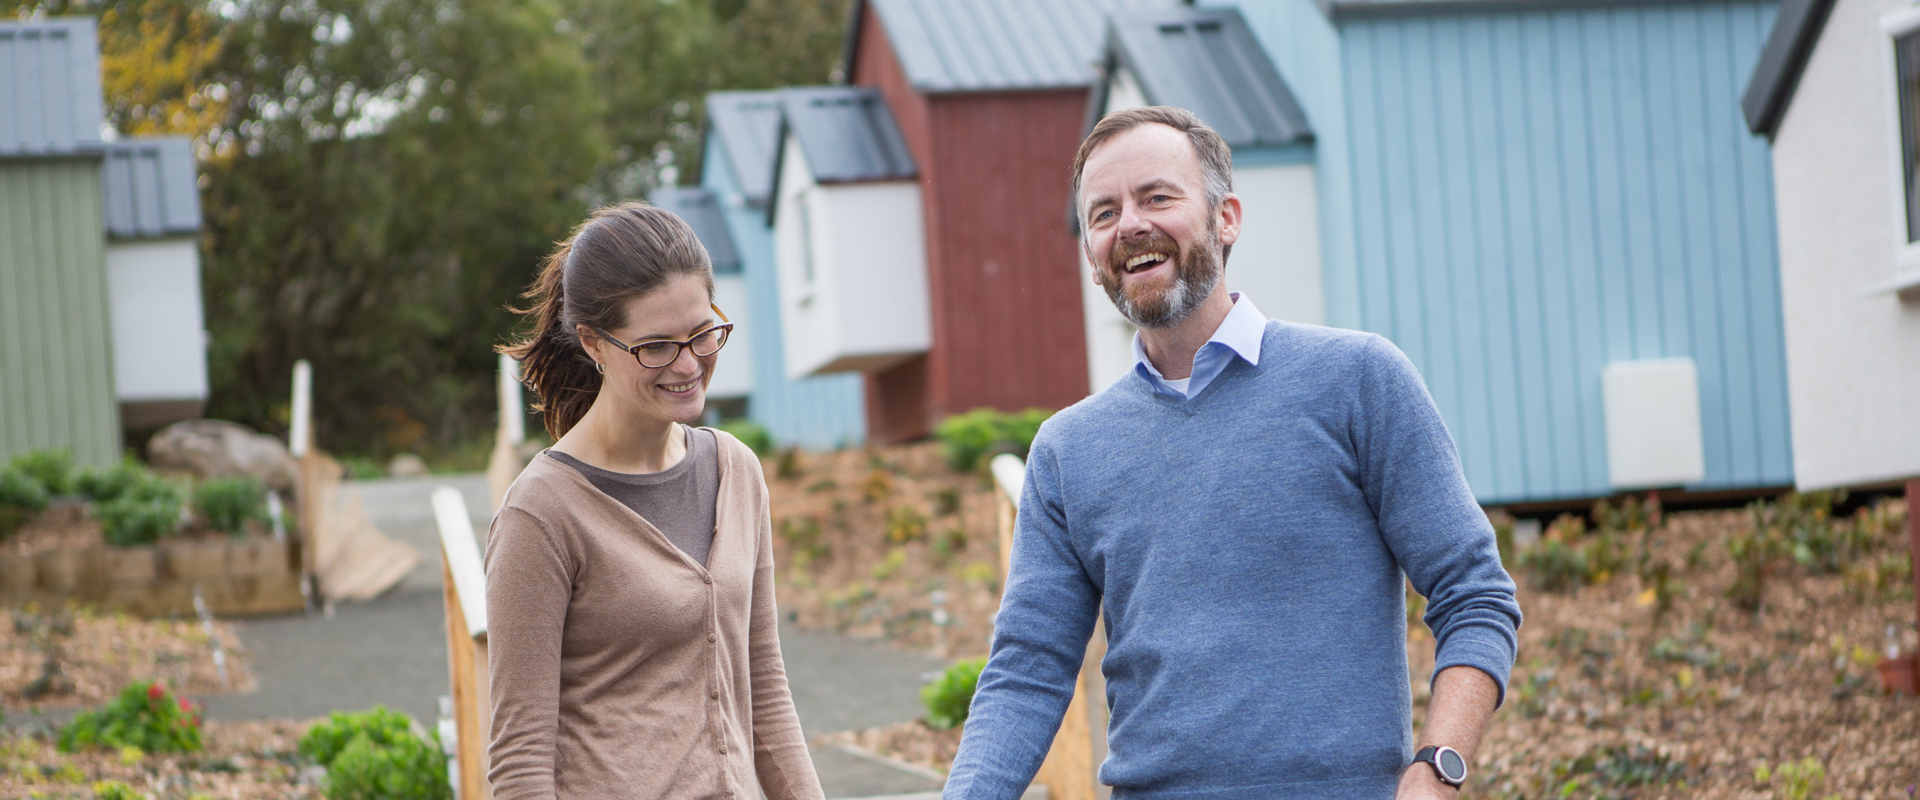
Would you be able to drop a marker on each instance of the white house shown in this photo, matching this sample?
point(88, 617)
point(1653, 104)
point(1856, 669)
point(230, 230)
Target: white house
point(849, 235)
point(152, 203)
point(733, 372)
point(1837, 93)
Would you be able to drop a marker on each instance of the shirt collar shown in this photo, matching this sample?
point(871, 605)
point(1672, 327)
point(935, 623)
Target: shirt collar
point(1242, 332)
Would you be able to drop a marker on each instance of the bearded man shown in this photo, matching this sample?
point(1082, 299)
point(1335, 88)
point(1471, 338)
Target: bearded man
point(1245, 503)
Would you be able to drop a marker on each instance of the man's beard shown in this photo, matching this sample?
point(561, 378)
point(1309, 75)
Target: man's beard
point(1196, 271)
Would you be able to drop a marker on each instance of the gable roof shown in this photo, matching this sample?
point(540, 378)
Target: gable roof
point(1207, 61)
point(847, 133)
point(49, 88)
point(748, 127)
point(701, 210)
point(994, 45)
point(1777, 75)
point(150, 189)
point(1343, 9)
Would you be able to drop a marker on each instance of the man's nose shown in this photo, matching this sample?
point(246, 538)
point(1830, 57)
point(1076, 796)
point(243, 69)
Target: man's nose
point(1132, 222)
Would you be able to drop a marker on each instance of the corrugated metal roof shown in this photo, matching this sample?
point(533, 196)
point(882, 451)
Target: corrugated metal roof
point(1207, 61)
point(847, 133)
point(989, 45)
point(701, 210)
point(49, 88)
point(748, 126)
point(150, 188)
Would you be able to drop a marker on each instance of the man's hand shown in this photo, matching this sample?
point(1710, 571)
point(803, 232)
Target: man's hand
point(1457, 715)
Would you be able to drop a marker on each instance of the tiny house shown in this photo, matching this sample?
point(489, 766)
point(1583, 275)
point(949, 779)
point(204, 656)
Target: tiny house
point(153, 281)
point(1836, 93)
point(731, 387)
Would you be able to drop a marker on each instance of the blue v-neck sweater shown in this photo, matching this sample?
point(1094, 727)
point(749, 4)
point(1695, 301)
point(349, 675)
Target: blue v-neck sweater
point(1248, 544)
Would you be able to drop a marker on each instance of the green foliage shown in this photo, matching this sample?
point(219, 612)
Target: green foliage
point(905, 524)
point(145, 715)
point(788, 466)
point(949, 544)
point(382, 725)
point(1794, 780)
point(969, 438)
point(751, 434)
point(114, 790)
point(946, 502)
point(110, 483)
point(21, 499)
point(227, 504)
point(1805, 523)
point(408, 768)
point(52, 469)
point(144, 513)
point(1613, 772)
point(802, 536)
point(948, 697)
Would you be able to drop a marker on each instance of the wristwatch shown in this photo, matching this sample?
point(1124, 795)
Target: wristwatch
point(1446, 763)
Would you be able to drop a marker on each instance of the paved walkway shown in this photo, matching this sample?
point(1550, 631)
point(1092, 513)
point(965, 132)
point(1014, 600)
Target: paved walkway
point(392, 650)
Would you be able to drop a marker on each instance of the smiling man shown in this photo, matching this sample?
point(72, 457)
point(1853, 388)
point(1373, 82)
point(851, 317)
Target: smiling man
point(1248, 505)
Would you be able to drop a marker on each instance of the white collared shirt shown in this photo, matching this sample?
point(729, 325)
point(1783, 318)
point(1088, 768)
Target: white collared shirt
point(1240, 334)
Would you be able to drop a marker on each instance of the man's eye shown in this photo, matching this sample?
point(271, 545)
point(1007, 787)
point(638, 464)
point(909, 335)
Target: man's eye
point(1102, 215)
point(1158, 199)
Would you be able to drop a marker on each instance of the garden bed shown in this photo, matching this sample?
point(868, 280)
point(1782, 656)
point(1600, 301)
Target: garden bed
point(1633, 679)
point(241, 760)
point(97, 654)
point(62, 557)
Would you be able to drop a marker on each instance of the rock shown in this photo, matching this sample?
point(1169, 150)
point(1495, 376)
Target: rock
point(406, 465)
point(212, 448)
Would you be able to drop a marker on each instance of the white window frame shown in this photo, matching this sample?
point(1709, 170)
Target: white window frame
point(1906, 278)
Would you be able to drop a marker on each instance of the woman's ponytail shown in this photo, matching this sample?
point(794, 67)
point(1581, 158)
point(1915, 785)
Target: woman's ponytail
point(620, 252)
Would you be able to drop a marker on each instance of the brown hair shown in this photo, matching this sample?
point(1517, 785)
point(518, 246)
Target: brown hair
point(620, 252)
point(1216, 158)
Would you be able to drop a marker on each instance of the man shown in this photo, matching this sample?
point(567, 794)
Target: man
point(1245, 504)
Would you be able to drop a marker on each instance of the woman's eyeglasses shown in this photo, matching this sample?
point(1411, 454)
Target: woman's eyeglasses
point(657, 354)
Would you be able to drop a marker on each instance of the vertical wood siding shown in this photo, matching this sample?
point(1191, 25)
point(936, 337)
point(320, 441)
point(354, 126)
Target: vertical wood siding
point(56, 376)
point(819, 413)
point(1003, 274)
point(1536, 194)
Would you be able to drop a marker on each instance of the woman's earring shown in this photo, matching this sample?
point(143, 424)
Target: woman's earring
point(599, 367)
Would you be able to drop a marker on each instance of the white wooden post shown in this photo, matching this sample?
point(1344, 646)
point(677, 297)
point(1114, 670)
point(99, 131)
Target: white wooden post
point(300, 435)
point(465, 579)
point(513, 408)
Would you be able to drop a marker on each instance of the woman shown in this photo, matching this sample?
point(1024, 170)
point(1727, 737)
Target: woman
point(633, 650)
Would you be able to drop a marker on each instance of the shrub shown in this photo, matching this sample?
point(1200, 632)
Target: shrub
point(114, 790)
point(409, 768)
point(101, 485)
point(906, 524)
point(751, 434)
point(228, 503)
point(1617, 768)
point(382, 725)
point(948, 697)
point(145, 715)
point(53, 469)
point(968, 438)
point(21, 498)
point(802, 535)
point(143, 514)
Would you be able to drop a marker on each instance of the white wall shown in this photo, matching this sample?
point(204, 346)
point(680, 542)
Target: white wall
point(158, 325)
point(1853, 360)
point(733, 371)
point(1277, 259)
point(865, 306)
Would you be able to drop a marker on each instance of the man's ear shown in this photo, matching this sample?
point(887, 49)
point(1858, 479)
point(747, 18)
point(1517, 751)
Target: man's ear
point(1086, 252)
point(1229, 220)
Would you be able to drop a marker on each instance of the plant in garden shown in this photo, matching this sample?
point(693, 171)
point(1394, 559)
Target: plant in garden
point(946, 545)
point(145, 715)
point(1602, 773)
point(1754, 552)
point(227, 504)
point(375, 754)
point(787, 466)
point(114, 790)
point(45, 632)
point(948, 697)
point(21, 499)
point(53, 469)
point(905, 524)
point(1560, 562)
point(877, 487)
point(968, 438)
point(751, 434)
point(946, 501)
point(895, 560)
point(101, 485)
point(1794, 780)
point(145, 513)
point(802, 535)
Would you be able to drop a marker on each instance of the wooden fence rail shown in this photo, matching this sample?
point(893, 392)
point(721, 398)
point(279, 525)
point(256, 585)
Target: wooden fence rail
point(466, 596)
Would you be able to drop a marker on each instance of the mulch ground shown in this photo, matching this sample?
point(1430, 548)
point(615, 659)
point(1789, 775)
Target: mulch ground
point(250, 760)
point(96, 655)
point(1613, 696)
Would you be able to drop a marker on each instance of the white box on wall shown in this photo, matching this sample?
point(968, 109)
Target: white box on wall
point(1653, 423)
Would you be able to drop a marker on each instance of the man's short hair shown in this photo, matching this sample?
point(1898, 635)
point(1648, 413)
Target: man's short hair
point(1216, 159)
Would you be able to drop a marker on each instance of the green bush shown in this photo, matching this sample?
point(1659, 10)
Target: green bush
point(21, 498)
point(101, 485)
point(751, 434)
point(53, 469)
point(971, 437)
point(948, 697)
point(228, 503)
point(114, 790)
point(145, 715)
point(374, 754)
point(143, 514)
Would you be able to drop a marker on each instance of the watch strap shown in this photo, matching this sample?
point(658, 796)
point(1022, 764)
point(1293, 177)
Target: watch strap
point(1431, 755)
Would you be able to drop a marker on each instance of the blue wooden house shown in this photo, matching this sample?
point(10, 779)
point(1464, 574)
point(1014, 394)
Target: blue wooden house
point(1553, 208)
point(737, 169)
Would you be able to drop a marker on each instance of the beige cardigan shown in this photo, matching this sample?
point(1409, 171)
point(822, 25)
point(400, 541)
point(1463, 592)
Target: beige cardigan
point(622, 668)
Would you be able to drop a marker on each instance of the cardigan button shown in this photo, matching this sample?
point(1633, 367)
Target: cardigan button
point(712, 638)
point(715, 694)
point(707, 578)
point(723, 749)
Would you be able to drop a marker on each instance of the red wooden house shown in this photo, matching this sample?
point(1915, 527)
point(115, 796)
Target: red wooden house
point(991, 99)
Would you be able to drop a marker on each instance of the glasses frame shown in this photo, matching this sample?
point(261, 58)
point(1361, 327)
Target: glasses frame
point(725, 326)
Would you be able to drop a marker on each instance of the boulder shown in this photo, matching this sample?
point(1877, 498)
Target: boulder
point(406, 465)
point(211, 448)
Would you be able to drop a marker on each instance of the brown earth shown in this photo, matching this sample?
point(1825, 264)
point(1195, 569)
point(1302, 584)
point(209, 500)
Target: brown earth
point(242, 760)
point(99, 654)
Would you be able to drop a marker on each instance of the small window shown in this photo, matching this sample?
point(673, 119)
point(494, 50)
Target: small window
point(803, 205)
point(1906, 58)
point(1902, 65)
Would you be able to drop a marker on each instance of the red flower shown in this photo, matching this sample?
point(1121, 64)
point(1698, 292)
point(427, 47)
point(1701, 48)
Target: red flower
point(156, 691)
point(185, 707)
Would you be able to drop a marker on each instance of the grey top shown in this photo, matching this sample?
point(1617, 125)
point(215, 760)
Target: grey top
point(49, 88)
point(679, 500)
point(150, 188)
point(1207, 61)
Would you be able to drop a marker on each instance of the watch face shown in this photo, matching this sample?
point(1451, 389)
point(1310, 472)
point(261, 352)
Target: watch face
point(1451, 764)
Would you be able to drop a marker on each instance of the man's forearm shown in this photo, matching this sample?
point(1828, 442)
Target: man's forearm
point(1457, 716)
